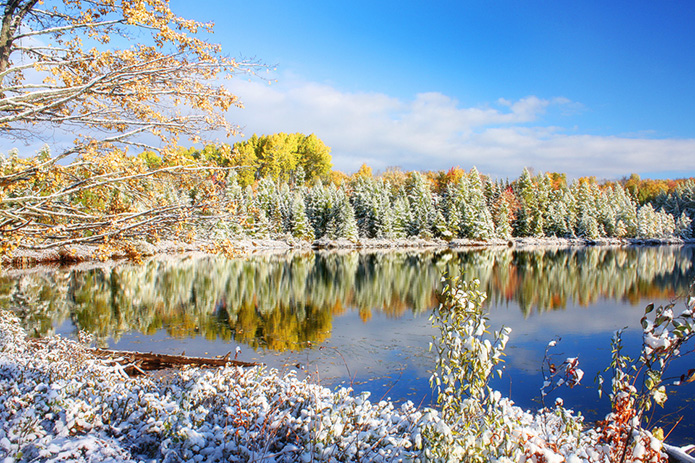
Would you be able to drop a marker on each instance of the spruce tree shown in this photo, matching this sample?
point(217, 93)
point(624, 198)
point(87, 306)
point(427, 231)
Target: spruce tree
point(299, 223)
point(401, 215)
point(684, 226)
point(422, 211)
point(476, 220)
point(503, 227)
point(527, 211)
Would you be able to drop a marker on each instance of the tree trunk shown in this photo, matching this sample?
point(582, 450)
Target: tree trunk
point(136, 363)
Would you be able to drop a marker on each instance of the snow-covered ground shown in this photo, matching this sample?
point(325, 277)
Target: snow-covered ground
point(244, 246)
point(58, 403)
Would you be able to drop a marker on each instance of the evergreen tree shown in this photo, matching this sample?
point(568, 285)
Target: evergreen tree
point(502, 218)
point(648, 224)
point(588, 227)
point(342, 223)
point(235, 209)
point(452, 203)
point(299, 223)
point(476, 220)
point(319, 206)
point(361, 199)
point(381, 212)
point(557, 221)
point(684, 226)
point(422, 211)
point(625, 212)
point(527, 211)
point(401, 215)
point(256, 224)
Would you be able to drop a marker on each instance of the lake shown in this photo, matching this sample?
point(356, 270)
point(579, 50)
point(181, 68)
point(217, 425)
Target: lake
point(361, 318)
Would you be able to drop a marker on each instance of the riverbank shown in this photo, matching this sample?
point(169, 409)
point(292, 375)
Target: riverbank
point(138, 249)
point(58, 403)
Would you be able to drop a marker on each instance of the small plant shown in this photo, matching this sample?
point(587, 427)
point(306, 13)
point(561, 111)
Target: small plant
point(567, 373)
point(467, 356)
point(639, 384)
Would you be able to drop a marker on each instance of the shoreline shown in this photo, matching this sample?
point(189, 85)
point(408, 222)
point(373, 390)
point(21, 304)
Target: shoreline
point(23, 258)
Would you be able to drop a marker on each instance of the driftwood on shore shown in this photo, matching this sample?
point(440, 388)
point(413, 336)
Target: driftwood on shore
point(137, 363)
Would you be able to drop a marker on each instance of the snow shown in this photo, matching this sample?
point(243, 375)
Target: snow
point(58, 403)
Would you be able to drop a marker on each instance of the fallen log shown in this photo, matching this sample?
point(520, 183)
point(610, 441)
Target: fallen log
point(136, 363)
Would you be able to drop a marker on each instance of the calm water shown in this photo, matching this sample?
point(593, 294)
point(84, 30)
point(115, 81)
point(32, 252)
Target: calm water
point(361, 318)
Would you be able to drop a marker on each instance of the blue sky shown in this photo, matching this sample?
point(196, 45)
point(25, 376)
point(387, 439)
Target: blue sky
point(586, 88)
point(583, 87)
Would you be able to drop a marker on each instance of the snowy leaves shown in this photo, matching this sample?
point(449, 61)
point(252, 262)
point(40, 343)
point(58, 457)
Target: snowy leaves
point(466, 357)
point(567, 373)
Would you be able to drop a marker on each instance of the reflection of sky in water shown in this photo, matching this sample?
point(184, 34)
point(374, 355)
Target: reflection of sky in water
point(389, 356)
point(191, 305)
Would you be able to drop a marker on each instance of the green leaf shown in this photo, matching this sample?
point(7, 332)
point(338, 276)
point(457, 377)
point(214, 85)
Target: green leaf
point(649, 308)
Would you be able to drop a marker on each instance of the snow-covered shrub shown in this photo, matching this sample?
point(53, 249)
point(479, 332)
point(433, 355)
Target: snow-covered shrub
point(638, 384)
point(60, 403)
point(479, 425)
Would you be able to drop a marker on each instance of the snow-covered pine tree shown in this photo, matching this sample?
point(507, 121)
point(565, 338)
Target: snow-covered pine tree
point(234, 209)
point(422, 211)
point(256, 222)
point(401, 215)
point(527, 210)
point(625, 212)
point(361, 198)
point(585, 208)
point(648, 224)
point(319, 206)
point(382, 213)
point(476, 220)
point(342, 222)
point(684, 226)
point(451, 205)
point(502, 216)
point(299, 222)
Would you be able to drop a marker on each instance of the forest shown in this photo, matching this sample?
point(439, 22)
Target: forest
point(282, 187)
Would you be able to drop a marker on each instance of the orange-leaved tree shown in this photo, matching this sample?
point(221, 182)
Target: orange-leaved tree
point(110, 74)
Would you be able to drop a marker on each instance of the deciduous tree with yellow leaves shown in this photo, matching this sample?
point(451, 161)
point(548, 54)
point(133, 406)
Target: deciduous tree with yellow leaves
point(114, 74)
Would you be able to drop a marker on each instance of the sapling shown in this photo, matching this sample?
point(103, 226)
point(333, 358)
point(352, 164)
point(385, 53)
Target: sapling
point(555, 376)
point(638, 384)
point(467, 355)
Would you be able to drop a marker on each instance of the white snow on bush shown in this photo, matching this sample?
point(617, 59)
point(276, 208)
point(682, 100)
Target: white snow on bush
point(59, 404)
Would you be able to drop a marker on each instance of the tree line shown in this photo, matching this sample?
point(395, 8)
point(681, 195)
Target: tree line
point(197, 195)
point(466, 205)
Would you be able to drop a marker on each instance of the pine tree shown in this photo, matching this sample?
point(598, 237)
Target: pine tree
point(527, 211)
point(502, 218)
point(476, 220)
point(256, 224)
point(299, 223)
point(588, 227)
point(625, 212)
point(319, 205)
point(234, 207)
point(342, 223)
point(451, 208)
point(684, 226)
point(647, 222)
point(362, 200)
point(401, 215)
point(422, 211)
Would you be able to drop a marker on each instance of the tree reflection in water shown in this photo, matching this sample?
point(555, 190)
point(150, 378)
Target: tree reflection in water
point(282, 302)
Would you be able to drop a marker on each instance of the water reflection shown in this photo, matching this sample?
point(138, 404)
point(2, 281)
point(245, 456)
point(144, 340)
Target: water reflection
point(282, 302)
point(360, 318)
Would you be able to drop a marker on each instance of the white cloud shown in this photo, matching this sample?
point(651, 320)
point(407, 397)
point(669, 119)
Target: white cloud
point(434, 131)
